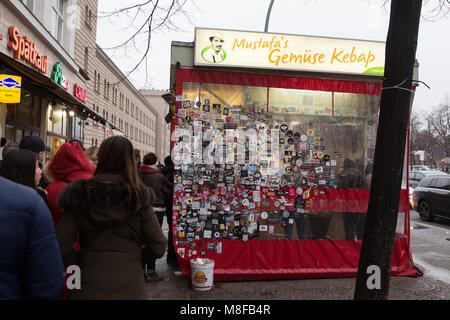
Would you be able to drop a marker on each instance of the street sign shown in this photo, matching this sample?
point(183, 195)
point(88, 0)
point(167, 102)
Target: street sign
point(10, 88)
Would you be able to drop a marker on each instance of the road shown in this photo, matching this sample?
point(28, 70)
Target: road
point(430, 245)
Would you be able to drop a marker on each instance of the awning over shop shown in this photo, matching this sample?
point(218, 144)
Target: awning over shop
point(52, 88)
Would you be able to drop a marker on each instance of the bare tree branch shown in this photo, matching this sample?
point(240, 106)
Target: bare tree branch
point(156, 15)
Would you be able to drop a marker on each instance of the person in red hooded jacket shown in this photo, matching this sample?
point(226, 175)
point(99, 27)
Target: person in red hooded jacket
point(68, 165)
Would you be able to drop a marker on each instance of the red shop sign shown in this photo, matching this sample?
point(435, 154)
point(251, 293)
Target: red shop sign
point(25, 49)
point(79, 92)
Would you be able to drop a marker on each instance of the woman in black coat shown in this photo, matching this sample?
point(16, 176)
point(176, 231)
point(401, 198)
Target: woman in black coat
point(113, 216)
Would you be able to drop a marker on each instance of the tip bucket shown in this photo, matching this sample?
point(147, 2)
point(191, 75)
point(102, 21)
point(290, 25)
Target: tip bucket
point(202, 272)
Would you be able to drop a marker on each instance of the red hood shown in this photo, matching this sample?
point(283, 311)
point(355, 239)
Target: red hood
point(70, 163)
point(145, 169)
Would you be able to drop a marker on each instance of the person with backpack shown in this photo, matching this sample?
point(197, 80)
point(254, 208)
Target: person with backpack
point(112, 213)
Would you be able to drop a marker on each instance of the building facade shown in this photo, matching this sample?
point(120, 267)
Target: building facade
point(162, 108)
point(110, 93)
point(37, 47)
point(70, 88)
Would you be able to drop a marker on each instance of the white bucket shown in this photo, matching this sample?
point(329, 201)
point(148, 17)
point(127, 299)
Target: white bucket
point(202, 273)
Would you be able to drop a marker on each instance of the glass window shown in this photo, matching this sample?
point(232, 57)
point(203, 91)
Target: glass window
point(86, 60)
point(57, 19)
point(442, 183)
point(297, 142)
point(57, 120)
point(77, 128)
point(29, 4)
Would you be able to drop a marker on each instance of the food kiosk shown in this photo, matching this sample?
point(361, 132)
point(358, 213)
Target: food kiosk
point(273, 141)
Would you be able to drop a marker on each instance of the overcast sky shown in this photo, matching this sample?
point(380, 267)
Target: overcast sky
point(355, 19)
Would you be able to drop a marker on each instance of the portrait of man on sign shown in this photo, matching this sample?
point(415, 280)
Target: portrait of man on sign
point(214, 53)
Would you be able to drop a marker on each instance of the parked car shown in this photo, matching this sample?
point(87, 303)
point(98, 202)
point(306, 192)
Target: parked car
point(431, 198)
point(416, 176)
point(411, 191)
point(418, 167)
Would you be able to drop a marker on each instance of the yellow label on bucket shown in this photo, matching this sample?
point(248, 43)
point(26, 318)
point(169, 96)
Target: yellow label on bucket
point(200, 276)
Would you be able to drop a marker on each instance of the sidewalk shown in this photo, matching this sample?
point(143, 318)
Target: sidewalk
point(176, 287)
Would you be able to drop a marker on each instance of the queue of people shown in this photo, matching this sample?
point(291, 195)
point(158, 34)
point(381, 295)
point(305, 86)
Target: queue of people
point(97, 209)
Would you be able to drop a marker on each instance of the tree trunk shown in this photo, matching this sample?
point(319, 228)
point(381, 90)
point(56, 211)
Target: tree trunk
point(384, 199)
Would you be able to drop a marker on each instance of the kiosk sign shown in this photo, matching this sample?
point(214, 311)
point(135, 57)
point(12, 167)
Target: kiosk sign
point(288, 52)
point(10, 88)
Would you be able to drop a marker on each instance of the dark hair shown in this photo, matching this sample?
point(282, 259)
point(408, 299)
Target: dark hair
point(8, 148)
point(116, 156)
point(20, 166)
point(3, 142)
point(150, 159)
point(168, 161)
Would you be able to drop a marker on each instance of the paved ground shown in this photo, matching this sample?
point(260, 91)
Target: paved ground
point(176, 287)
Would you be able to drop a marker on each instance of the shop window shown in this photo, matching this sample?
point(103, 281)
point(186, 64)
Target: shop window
point(57, 122)
point(77, 128)
point(302, 140)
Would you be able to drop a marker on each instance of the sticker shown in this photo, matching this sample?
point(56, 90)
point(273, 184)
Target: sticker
point(264, 215)
point(284, 127)
point(310, 132)
point(299, 191)
point(181, 252)
point(207, 234)
point(304, 138)
point(263, 228)
point(296, 136)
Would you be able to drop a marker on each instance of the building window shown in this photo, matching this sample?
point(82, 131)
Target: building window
point(95, 80)
point(104, 88)
point(86, 60)
point(29, 4)
point(127, 108)
point(98, 83)
point(56, 22)
point(132, 110)
point(88, 17)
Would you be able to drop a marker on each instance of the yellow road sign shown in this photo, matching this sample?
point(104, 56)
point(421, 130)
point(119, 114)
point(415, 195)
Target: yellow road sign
point(10, 87)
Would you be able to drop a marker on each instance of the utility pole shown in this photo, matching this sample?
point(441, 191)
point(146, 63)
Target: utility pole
point(379, 232)
point(268, 15)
